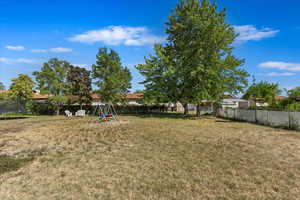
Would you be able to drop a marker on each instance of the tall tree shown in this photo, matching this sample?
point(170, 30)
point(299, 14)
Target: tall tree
point(80, 84)
point(21, 89)
point(2, 87)
point(263, 91)
point(197, 61)
point(161, 81)
point(113, 80)
point(52, 79)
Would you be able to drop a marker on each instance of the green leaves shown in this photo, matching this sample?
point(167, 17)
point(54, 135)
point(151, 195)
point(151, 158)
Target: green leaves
point(52, 77)
point(263, 91)
point(80, 84)
point(21, 89)
point(112, 79)
point(196, 63)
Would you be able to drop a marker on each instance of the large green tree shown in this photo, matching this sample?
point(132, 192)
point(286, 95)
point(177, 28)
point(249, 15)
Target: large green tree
point(21, 90)
point(197, 62)
point(112, 79)
point(80, 85)
point(263, 91)
point(161, 79)
point(52, 79)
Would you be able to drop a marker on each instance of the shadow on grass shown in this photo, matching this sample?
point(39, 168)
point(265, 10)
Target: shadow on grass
point(12, 117)
point(167, 116)
point(10, 163)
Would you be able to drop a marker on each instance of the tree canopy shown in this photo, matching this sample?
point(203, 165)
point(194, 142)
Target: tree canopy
point(80, 84)
point(21, 89)
point(52, 79)
point(112, 79)
point(263, 91)
point(294, 93)
point(197, 61)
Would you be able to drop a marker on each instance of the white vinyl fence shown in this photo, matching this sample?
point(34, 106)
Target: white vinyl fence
point(270, 118)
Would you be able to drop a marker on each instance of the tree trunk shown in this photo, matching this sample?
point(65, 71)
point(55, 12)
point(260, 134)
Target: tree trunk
point(57, 112)
point(198, 113)
point(186, 109)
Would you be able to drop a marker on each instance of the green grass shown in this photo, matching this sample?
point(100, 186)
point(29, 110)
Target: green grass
point(150, 157)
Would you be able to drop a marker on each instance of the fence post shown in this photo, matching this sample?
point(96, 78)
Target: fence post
point(268, 123)
point(289, 112)
point(234, 117)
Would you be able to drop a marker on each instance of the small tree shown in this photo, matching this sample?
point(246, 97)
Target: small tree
point(2, 87)
point(21, 90)
point(292, 102)
point(57, 102)
point(263, 91)
point(80, 84)
point(112, 79)
point(294, 94)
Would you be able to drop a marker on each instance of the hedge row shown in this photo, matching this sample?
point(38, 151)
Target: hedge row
point(47, 109)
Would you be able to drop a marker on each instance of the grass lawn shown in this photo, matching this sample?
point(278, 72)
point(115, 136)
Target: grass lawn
point(147, 158)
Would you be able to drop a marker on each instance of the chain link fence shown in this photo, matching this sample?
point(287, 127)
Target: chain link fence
point(9, 106)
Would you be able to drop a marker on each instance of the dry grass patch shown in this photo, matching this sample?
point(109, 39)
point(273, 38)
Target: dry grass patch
point(149, 158)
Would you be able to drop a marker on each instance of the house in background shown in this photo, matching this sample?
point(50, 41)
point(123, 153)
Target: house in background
point(262, 103)
point(132, 99)
point(236, 103)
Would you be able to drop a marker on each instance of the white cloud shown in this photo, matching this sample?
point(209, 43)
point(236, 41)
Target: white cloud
point(281, 74)
point(19, 60)
point(280, 65)
point(60, 50)
point(54, 50)
point(38, 50)
point(116, 35)
point(81, 65)
point(15, 48)
point(251, 33)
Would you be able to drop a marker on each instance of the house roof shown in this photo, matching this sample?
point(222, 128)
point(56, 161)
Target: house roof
point(235, 100)
point(94, 96)
point(128, 96)
point(135, 96)
point(280, 97)
point(41, 96)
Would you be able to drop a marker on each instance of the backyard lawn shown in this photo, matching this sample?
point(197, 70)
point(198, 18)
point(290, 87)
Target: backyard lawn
point(147, 158)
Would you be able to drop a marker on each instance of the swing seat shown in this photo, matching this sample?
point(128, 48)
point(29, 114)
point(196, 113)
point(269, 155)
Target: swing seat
point(107, 113)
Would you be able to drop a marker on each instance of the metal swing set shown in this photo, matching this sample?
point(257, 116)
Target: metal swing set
point(106, 112)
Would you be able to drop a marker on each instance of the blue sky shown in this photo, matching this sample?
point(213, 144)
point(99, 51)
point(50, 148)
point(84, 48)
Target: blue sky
point(33, 31)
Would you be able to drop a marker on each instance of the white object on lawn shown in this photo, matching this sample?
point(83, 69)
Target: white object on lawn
point(80, 113)
point(68, 113)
